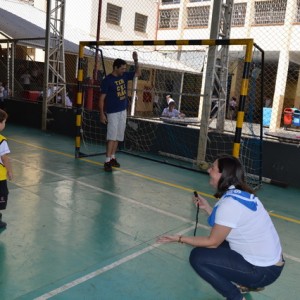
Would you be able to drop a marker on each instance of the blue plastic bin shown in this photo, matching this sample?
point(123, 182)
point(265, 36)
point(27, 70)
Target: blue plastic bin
point(296, 117)
point(267, 112)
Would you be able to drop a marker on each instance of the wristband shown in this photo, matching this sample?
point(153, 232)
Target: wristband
point(179, 239)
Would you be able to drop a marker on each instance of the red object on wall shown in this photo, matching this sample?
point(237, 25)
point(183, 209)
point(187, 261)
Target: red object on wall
point(147, 94)
point(288, 116)
point(31, 95)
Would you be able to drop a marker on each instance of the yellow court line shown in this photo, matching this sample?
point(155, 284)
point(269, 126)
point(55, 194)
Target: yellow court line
point(120, 169)
point(284, 218)
point(144, 177)
point(42, 148)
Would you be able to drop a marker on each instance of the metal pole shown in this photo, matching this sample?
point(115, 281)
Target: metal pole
point(243, 96)
point(95, 73)
point(46, 68)
point(79, 101)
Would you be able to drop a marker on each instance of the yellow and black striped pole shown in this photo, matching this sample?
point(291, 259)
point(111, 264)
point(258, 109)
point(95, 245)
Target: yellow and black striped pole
point(79, 101)
point(242, 101)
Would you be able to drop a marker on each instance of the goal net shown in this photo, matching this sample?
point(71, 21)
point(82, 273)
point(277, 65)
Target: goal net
point(207, 124)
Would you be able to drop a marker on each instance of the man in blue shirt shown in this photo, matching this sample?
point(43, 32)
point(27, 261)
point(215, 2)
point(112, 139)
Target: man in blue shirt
point(114, 94)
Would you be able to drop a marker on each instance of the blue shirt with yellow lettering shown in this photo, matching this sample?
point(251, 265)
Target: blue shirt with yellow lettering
point(115, 89)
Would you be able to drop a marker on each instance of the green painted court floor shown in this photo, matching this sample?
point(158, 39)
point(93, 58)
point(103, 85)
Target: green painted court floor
point(76, 232)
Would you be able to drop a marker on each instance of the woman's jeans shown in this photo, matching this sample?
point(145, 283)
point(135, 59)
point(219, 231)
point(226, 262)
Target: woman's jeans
point(222, 267)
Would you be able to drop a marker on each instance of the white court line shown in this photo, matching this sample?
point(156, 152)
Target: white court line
point(163, 212)
point(102, 270)
point(121, 261)
point(291, 257)
point(127, 258)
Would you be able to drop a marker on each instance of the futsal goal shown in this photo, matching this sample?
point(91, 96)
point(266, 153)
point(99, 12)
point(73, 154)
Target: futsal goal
point(178, 69)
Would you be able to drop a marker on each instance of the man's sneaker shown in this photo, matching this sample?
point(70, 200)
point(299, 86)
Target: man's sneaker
point(107, 167)
point(114, 163)
point(2, 224)
point(245, 290)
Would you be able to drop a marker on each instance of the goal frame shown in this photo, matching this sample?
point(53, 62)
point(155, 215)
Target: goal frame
point(248, 43)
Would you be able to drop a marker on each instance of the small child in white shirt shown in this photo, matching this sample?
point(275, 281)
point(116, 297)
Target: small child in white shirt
point(171, 111)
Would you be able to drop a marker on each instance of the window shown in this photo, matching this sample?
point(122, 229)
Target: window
point(269, 12)
point(239, 14)
point(297, 18)
point(145, 75)
point(198, 16)
point(113, 14)
point(168, 18)
point(140, 23)
point(163, 2)
point(31, 2)
point(198, 0)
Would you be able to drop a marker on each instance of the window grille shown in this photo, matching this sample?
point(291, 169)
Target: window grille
point(163, 2)
point(145, 75)
point(239, 14)
point(269, 12)
point(113, 14)
point(30, 2)
point(140, 23)
point(198, 0)
point(168, 18)
point(198, 16)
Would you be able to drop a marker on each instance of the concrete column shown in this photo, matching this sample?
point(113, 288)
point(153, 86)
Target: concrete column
point(201, 100)
point(249, 17)
point(297, 94)
point(182, 18)
point(283, 65)
point(235, 89)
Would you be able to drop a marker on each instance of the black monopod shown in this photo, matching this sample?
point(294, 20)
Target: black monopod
point(197, 214)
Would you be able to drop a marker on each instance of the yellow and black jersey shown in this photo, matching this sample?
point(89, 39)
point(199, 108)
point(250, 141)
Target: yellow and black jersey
point(3, 150)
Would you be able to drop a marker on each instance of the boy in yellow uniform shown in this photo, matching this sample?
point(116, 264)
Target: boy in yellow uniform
point(5, 167)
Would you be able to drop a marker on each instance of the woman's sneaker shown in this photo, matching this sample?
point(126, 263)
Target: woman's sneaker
point(245, 290)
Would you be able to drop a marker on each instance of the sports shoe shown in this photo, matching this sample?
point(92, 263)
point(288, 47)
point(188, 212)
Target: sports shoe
point(245, 290)
point(107, 167)
point(114, 163)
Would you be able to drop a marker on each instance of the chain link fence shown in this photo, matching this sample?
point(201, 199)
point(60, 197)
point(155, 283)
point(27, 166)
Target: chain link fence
point(273, 24)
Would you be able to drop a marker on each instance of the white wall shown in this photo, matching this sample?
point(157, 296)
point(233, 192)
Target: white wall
point(126, 29)
point(83, 14)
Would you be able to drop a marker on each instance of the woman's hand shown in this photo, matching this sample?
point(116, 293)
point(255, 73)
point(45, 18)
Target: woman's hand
point(168, 239)
point(202, 203)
